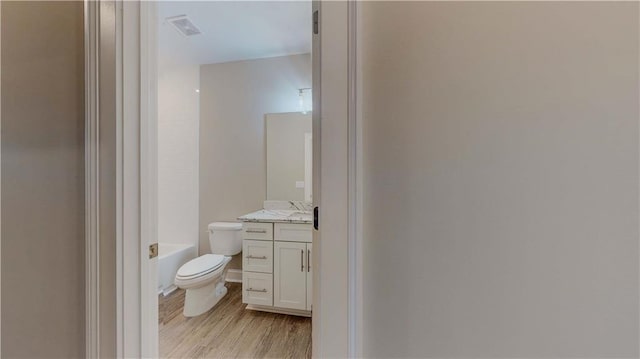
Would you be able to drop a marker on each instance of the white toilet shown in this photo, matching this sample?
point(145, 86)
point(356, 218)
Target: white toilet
point(203, 278)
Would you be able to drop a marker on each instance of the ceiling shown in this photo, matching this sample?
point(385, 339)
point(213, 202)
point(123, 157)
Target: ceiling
point(236, 30)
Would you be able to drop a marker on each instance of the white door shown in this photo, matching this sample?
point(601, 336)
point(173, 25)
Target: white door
point(290, 275)
point(309, 277)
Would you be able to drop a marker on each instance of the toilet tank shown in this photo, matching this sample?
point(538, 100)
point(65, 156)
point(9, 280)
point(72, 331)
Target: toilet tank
point(225, 238)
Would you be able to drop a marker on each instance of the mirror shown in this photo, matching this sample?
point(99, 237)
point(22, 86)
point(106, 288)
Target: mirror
point(289, 156)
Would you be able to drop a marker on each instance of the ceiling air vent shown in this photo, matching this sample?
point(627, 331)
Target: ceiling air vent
point(183, 25)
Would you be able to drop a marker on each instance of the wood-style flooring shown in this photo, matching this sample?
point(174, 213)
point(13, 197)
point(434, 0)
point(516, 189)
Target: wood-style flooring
point(230, 331)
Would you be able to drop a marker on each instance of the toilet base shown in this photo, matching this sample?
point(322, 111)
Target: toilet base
point(199, 300)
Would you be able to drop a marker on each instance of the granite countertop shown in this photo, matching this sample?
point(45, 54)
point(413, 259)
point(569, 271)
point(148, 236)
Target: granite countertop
point(279, 216)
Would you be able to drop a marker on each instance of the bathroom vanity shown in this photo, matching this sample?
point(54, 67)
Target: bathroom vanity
point(277, 267)
point(277, 240)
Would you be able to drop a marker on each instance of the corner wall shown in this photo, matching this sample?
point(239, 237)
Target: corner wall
point(178, 148)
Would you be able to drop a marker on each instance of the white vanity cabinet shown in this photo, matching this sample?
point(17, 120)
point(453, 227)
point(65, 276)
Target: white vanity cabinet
point(277, 268)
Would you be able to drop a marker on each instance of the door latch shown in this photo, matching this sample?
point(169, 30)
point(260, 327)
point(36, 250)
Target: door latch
point(153, 250)
point(316, 22)
point(315, 218)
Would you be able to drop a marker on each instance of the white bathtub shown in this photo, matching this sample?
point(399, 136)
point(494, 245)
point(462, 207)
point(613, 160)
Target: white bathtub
point(170, 258)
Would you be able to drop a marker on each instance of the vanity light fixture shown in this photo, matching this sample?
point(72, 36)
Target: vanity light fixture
point(304, 100)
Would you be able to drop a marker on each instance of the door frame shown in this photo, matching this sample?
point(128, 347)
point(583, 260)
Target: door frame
point(92, 315)
point(337, 247)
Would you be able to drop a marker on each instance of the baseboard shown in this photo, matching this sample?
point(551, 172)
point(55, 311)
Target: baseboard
point(234, 276)
point(300, 313)
point(166, 291)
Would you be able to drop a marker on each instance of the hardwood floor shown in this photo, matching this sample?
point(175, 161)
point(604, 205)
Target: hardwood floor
point(230, 331)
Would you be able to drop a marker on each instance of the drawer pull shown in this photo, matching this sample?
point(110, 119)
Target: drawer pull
point(257, 290)
point(254, 257)
point(263, 231)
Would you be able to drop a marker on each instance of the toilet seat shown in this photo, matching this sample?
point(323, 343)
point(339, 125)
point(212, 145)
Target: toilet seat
point(206, 277)
point(200, 266)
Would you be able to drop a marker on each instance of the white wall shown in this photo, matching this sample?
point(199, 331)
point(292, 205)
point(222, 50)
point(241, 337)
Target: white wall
point(235, 96)
point(500, 179)
point(178, 126)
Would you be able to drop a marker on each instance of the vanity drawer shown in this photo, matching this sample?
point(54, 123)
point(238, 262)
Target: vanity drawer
point(257, 288)
point(291, 232)
point(257, 256)
point(259, 231)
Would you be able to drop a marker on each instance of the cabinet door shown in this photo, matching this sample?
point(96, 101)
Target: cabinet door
point(309, 276)
point(257, 256)
point(290, 275)
point(259, 231)
point(293, 232)
point(257, 288)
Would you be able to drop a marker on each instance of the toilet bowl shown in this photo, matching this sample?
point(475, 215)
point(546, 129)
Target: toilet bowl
point(203, 278)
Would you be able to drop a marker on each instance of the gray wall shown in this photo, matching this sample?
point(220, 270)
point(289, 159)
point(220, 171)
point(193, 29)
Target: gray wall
point(42, 180)
point(234, 97)
point(500, 179)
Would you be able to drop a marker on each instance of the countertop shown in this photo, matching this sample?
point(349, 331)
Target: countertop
point(278, 216)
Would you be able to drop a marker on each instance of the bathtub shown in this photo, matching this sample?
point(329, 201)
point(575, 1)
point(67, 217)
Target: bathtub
point(170, 257)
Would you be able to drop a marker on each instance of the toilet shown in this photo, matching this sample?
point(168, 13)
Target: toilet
point(203, 278)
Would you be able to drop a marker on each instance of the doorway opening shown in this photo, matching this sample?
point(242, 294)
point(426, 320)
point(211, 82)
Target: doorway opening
point(234, 179)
